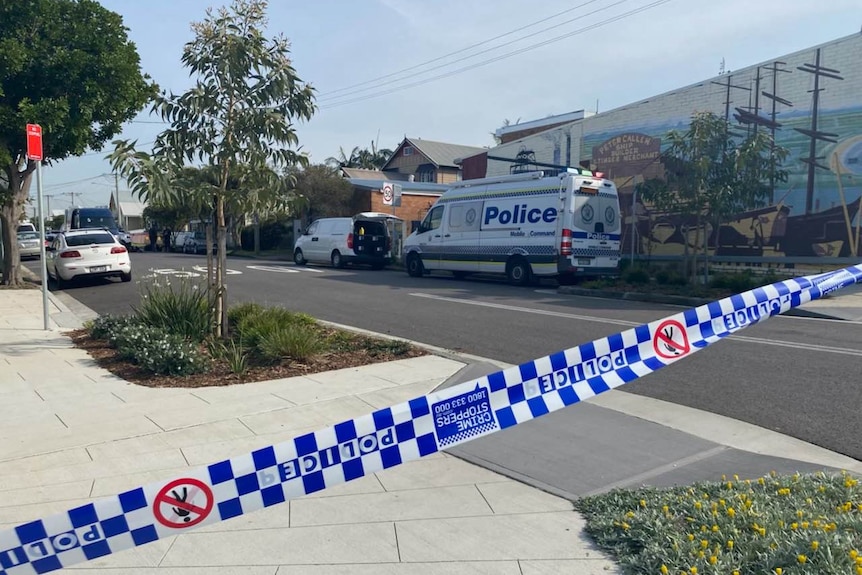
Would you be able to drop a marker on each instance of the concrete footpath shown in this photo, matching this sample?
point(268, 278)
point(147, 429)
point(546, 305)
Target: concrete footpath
point(71, 432)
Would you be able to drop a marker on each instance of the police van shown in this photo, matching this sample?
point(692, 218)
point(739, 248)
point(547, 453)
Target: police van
point(523, 225)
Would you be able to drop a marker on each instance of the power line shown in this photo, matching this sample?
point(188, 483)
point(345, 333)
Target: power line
point(476, 45)
point(616, 18)
point(439, 66)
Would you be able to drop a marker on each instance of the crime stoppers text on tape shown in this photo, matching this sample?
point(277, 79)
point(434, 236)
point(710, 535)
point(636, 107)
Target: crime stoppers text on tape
point(394, 435)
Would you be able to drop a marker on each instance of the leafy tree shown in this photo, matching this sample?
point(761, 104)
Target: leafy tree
point(172, 216)
point(236, 120)
point(324, 192)
point(365, 158)
point(711, 174)
point(69, 66)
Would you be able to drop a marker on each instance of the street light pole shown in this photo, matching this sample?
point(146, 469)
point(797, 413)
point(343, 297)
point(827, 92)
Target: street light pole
point(42, 251)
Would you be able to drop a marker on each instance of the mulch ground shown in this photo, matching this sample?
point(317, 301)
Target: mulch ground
point(220, 374)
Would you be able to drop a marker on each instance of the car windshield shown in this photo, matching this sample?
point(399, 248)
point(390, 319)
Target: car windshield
point(97, 222)
point(88, 239)
point(28, 236)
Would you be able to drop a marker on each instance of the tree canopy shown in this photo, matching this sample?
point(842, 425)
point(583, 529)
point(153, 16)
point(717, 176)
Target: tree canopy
point(237, 120)
point(365, 158)
point(68, 66)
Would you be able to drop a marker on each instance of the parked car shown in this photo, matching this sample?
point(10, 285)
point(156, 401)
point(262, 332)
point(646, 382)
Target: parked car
point(178, 240)
point(26, 227)
point(197, 244)
point(28, 245)
point(87, 253)
point(364, 239)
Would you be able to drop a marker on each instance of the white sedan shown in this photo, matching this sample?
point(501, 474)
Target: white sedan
point(87, 253)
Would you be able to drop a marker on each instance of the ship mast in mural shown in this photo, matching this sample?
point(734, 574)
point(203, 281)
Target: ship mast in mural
point(751, 117)
point(813, 133)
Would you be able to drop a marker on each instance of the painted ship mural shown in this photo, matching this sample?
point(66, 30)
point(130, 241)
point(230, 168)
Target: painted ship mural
point(793, 223)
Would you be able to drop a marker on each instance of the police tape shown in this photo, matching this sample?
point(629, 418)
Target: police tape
point(391, 436)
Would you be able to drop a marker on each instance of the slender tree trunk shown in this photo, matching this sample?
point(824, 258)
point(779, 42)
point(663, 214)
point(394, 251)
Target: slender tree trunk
point(221, 294)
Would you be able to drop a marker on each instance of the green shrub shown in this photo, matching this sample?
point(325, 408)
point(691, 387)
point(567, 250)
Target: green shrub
point(289, 341)
point(256, 324)
point(106, 326)
point(636, 276)
point(178, 306)
point(238, 313)
point(232, 352)
point(734, 282)
point(170, 354)
point(670, 278)
point(130, 338)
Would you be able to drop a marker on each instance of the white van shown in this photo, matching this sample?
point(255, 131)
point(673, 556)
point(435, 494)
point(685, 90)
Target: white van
point(523, 225)
point(363, 239)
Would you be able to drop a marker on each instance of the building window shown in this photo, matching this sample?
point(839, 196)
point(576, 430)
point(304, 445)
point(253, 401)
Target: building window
point(426, 176)
point(407, 151)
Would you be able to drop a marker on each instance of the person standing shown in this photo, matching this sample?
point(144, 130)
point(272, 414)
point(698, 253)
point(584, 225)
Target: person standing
point(166, 235)
point(153, 237)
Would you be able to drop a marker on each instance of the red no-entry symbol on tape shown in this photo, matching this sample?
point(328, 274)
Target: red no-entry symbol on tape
point(183, 503)
point(670, 340)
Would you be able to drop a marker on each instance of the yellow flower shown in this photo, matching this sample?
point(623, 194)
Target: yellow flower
point(704, 543)
point(715, 528)
point(763, 531)
point(643, 502)
point(730, 484)
point(665, 509)
point(805, 525)
point(701, 554)
point(761, 481)
point(735, 477)
point(850, 482)
point(630, 514)
point(784, 491)
point(697, 505)
point(815, 545)
point(664, 569)
point(821, 489)
point(854, 554)
point(779, 571)
point(713, 560)
point(730, 544)
point(690, 537)
point(781, 523)
point(809, 501)
point(800, 513)
point(794, 525)
point(731, 512)
point(693, 571)
point(721, 502)
point(801, 558)
point(858, 570)
point(735, 573)
point(625, 526)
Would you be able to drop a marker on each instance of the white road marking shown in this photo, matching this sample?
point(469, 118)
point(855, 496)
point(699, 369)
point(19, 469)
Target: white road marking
point(620, 322)
point(283, 268)
point(228, 272)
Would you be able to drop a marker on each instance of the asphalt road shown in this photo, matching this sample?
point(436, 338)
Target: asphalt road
point(793, 375)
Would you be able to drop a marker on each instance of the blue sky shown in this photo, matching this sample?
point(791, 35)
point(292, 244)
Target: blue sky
point(337, 44)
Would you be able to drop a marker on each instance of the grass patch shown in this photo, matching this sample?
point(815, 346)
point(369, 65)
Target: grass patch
point(775, 525)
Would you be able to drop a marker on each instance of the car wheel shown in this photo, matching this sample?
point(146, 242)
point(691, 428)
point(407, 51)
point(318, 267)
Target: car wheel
point(337, 259)
point(126, 277)
point(58, 281)
point(298, 258)
point(414, 266)
point(518, 271)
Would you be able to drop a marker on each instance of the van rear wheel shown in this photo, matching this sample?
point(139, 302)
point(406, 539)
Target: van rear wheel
point(518, 271)
point(414, 266)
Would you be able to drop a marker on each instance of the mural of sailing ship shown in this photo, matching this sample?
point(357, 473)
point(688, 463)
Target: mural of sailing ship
point(771, 231)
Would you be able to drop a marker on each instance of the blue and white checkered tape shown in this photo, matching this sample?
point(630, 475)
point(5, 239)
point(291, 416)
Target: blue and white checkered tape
point(391, 436)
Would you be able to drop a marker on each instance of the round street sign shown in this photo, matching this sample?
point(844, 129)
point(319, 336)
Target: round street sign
point(183, 503)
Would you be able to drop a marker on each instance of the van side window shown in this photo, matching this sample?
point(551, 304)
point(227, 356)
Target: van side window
point(433, 220)
point(464, 217)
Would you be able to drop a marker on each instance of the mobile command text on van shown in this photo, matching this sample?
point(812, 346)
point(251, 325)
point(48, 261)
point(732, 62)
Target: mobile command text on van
point(523, 225)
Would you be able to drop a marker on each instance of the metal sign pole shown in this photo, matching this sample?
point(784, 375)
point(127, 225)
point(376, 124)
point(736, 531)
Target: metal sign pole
point(42, 251)
point(634, 221)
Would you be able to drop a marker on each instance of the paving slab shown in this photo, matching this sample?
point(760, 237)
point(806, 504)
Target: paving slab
point(458, 501)
point(347, 544)
point(437, 568)
point(554, 535)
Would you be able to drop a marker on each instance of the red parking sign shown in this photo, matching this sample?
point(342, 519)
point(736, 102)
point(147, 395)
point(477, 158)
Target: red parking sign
point(34, 142)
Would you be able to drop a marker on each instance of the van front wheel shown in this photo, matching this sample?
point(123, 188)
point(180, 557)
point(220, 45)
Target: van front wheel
point(518, 271)
point(298, 258)
point(414, 266)
point(337, 259)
